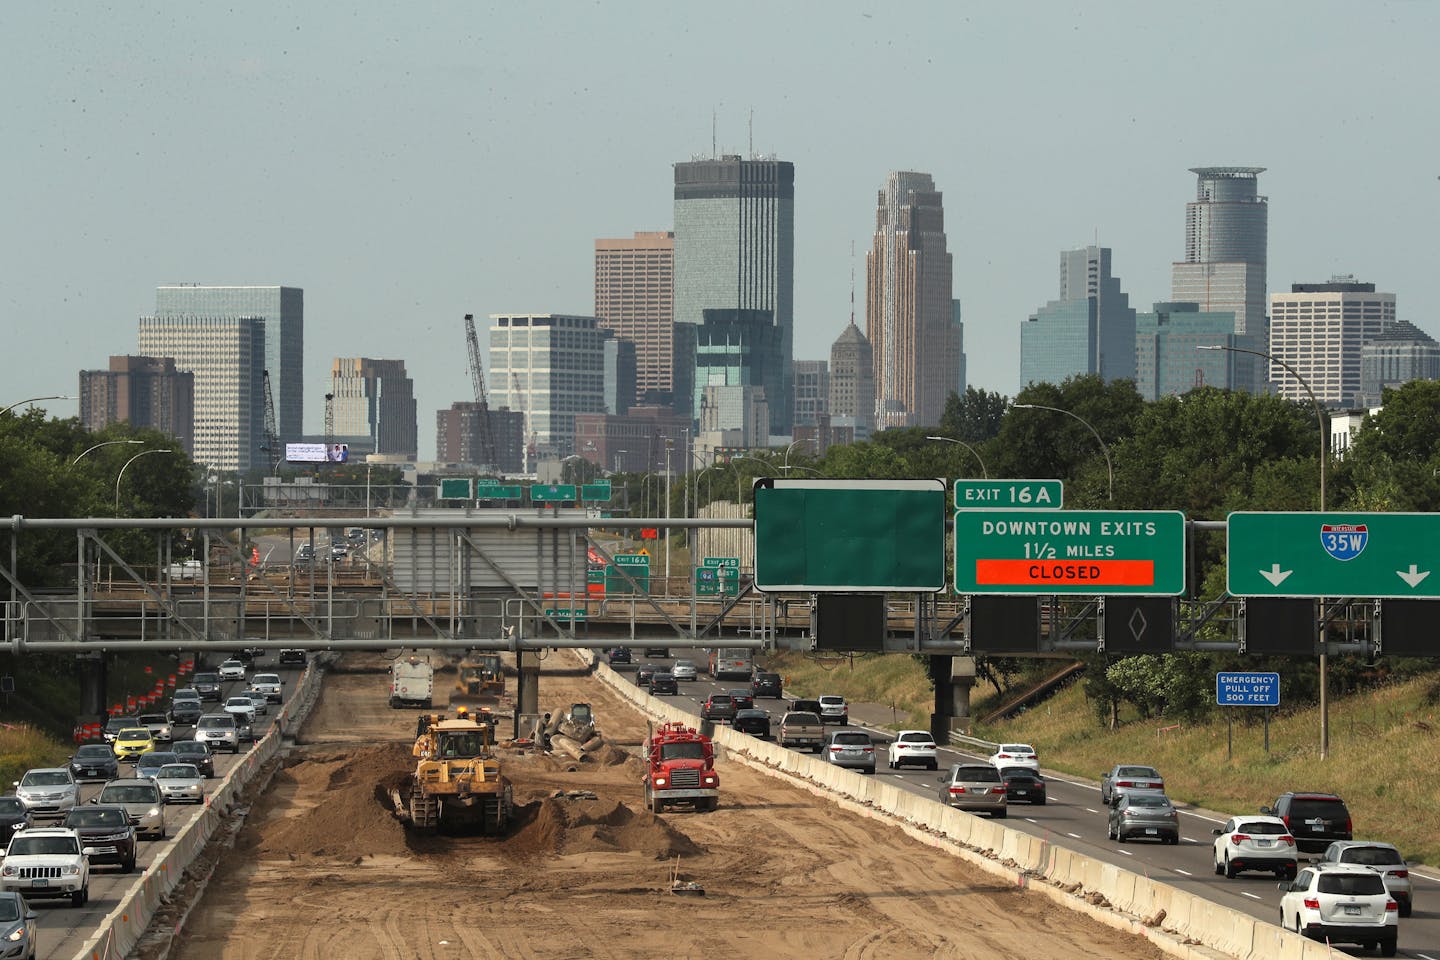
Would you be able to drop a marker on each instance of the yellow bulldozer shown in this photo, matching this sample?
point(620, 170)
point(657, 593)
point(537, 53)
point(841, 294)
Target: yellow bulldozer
point(457, 782)
point(479, 679)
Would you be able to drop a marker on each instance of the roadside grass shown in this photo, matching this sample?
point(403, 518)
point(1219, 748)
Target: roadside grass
point(1381, 758)
point(893, 680)
point(22, 747)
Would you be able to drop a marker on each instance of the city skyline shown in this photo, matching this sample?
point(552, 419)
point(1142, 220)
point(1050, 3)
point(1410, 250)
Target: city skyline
point(477, 204)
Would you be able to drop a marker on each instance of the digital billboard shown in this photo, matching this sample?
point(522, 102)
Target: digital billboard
point(317, 452)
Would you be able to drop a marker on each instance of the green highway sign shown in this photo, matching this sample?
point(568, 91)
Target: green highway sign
point(635, 564)
point(486, 482)
point(720, 576)
point(1382, 555)
point(597, 492)
point(1008, 494)
point(724, 563)
point(565, 613)
point(1071, 552)
point(551, 492)
point(455, 488)
point(494, 491)
point(850, 535)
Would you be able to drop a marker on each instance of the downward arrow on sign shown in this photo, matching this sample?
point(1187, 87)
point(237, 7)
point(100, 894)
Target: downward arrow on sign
point(1414, 576)
point(1276, 576)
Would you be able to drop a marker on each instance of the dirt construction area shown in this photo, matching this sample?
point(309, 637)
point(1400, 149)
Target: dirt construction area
point(322, 868)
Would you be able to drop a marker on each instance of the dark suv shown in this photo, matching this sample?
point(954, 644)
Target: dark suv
point(719, 707)
point(766, 685)
point(107, 832)
point(619, 655)
point(207, 685)
point(1315, 820)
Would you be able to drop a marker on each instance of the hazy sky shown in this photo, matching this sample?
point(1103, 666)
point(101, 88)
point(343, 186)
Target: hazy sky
point(406, 164)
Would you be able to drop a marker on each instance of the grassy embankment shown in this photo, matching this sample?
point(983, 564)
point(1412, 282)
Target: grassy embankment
point(1381, 760)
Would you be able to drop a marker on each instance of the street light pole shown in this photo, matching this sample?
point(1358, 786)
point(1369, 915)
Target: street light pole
point(142, 453)
point(1109, 470)
point(669, 445)
point(1324, 424)
point(984, 473)
point(97, 446)
point(21, 403)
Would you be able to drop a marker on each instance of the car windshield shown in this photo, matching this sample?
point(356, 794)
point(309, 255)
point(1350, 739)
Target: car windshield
point(23, 846)
point(188, 748)
point(1016, 748)
point(187, 693)
point(1263, 829)
point(139, 793)
point(149, 718)
point(9, 910)
point(1018, 773)
point(1149, 772)
point(921, 738)
point(9, 805)
point(662, 675)
point(43, 778)
point(682, 751)
point(231, 665)
point(213, 723)
point(682, 664)
point(150, 760)
point(96, 818)
point(1147, 800)
point(803, 718)
point(238, 702)
point(1318, 810)
point(1371, 856)
point(719, 699)
point(1351, 884)
point(751, 715)
point(135, 733)
point(976, 774)
point(207, 678)
point(179, 771)
point(862, 739)
point(93, 751)
point(267, 678)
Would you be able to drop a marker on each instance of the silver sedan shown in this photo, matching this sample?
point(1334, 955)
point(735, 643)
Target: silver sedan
point(683, 670)
point(181, 783)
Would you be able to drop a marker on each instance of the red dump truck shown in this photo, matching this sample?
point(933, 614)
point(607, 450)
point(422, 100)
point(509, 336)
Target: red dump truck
point(680, 768)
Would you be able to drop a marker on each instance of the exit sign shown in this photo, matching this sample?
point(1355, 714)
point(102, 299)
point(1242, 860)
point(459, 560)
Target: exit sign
point(1009, 494)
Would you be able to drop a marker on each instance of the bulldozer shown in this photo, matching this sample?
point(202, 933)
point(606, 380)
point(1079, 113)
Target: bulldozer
point(457, 782)
point(479, 679)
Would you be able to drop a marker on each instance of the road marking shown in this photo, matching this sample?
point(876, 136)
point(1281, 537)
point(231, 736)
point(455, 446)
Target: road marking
point(1126, 852)
point(1075, 836)
point(1252, 896)
point(1031, 820)
point(1188, 840)
point(1186, 872)
point(1089, 810)
point(1426, 956)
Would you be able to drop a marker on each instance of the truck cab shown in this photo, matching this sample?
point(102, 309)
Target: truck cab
point(680, 768)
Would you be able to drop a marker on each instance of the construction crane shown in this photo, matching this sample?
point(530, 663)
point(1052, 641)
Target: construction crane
point(271, 443)
point(477, 380)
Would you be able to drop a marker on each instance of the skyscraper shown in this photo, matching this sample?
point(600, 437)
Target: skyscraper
point(375, 399)
point(1402, 353)
point(1089, 329)
point(282, 312)
point(1225, 244)
point(227, 357)
point(909, 314)
point(145, 392)
point(635, 300)
point(1319, 329)
point(550, 366)
point(852, 386)
point(735, 250)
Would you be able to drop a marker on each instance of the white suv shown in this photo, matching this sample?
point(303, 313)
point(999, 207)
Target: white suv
point(1341, 904)
point(47, 862)
point(48, 792)
point(232, 670)
point(834, 710)
point(1255, 843)
point(218, 730)
point(913, 746)
point(269, 685)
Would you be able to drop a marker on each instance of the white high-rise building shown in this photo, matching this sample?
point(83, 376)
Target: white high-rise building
point(1319, 329)
point(550, 366)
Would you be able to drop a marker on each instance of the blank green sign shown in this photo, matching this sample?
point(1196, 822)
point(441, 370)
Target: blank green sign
point(850, 535)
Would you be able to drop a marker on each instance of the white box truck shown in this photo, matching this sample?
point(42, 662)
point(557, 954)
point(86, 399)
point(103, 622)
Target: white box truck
point(412, 682)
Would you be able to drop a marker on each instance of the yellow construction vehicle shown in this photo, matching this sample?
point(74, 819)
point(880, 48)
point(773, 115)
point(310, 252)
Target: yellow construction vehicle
point(479, 679)
point(457, 781)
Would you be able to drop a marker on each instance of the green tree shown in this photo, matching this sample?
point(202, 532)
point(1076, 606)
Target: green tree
point(974, 417)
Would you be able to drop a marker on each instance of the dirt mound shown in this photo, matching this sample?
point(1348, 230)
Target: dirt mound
point(560, 826)
point(610, 755)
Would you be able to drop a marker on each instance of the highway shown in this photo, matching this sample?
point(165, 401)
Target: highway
point(62, 929)
point(1073, 817)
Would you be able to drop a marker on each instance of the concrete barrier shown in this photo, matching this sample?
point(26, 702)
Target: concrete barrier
point(1131, 902)
point(119, 931)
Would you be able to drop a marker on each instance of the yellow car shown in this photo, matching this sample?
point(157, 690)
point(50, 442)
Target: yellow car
point(132, 742)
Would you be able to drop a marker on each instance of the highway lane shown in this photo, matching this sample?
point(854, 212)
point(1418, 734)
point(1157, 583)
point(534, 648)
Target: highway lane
point(1074, 818)
point(62, 928)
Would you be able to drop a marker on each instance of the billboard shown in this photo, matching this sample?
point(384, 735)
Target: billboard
point(317, 452)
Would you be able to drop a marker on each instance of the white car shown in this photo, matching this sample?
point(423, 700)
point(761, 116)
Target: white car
point(242, 709)
point(181, 782)
point(1255, 843)
point(913, 747)
point(683, 670)
point(269, 685)
point(217, 730)
point(1015, 755)
point(158, 725)
point(48, 791)
point(1341, 904)
point(47, 862)
point(232, 670)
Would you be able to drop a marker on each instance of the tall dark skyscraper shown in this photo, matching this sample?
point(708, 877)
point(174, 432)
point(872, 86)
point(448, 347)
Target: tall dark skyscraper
point(735, 251)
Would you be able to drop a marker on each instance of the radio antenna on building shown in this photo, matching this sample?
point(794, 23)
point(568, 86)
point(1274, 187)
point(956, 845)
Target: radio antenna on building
point(751, 132)
point(852, 283)
point(714, 151)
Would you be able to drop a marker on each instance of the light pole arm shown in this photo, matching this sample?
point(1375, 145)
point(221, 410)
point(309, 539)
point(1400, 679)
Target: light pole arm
point(142, 453)
point(106, 443)
point(984, 473)
point(21, 403)
point(1109, 469)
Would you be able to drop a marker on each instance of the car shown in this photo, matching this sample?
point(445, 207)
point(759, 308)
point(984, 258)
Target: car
point(106, 833)
point(834, 709)
point(17, 926)
point(232, 670)
point(662, 684)
point(619, 655)
point(1015, 755)
point(1341, 904)
point(304, 554)
point(259, 701)
point(181, 782)
point(150, 763)
point(1315, 820)
point(337, 552)
point(1024, 785)
point(1129, 776)
point(644, 672)
point(132, 742)
point(47, 791)
point(14, 817)
point(767, 684)
point(976, 787)
point(663, 652)
point(269, 686)
point(1384, 859)
point(912, 747)
point(1135, 815)
point(718, 707)
point(94, 761)
point(207, 685)
point(242, 708)
point(185, 693)
point(805, 706)
point(292, 656)
point(217, 730)
point(142, 800)
point(193, 751)
point(683, 670)
point(158, 726)
point(752, 721)
point(47, 862)
point(185, 712)
point(114, 725)
point(742, 700)
point(850, 748)
point(1255, 843)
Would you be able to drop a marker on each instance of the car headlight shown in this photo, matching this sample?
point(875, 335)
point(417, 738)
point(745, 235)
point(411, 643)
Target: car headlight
point(660, 781)
point(70, 869)
point(16, 935)
point(153, 812)
point(8, 871)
